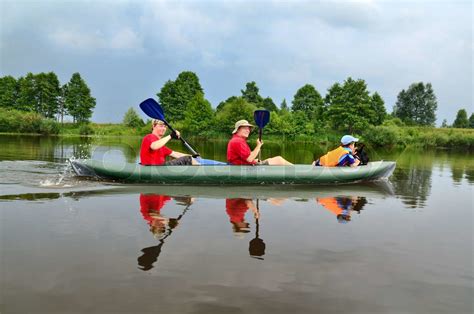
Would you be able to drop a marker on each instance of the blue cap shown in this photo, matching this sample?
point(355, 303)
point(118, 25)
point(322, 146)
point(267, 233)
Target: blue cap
point(347, 139)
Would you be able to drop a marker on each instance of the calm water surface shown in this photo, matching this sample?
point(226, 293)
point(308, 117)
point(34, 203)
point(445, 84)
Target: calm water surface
point(76, 246)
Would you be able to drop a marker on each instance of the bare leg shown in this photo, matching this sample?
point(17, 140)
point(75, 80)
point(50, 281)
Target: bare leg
point(278, 161)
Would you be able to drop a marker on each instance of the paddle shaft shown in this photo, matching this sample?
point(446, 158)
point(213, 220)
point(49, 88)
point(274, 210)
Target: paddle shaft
point(186, 144)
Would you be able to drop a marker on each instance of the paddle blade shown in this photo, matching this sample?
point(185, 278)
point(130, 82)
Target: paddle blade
point(262, 117)
point(152, 109)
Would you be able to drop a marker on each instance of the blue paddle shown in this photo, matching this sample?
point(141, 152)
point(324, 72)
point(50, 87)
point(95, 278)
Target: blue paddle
point(261, 117)
point(153, 109)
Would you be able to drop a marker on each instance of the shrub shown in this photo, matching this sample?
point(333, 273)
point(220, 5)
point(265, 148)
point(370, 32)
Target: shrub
point(49, 126)
point(386, 136)
point(86, 129)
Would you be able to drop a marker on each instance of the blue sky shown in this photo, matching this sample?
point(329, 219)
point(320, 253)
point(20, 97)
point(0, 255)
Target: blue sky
point(127, 50)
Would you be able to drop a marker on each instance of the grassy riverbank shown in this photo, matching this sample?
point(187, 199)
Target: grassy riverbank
point(389, 135)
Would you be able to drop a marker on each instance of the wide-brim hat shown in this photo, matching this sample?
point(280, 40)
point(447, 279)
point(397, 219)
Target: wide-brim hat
point(241, 123)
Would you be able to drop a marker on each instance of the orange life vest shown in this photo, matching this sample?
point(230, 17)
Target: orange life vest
point(331, 204)
point(332, 158)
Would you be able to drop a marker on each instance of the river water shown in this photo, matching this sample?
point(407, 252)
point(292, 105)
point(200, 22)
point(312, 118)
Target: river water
point(69, 245)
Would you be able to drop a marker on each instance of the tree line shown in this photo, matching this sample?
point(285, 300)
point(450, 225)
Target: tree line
point(347, 107)
point(42, 93)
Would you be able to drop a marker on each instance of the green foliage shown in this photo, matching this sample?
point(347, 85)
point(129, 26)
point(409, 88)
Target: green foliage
point(8, 91)
point(471, 121)
point(251, 94)
point(78, 100)
point(308, 100)
point(49, 127)
point(132, 119)
point(199, 117)
point(85, 129)
point(349, 106)
point(283, 105)
point(461, 120)
point(417, 105)
point(175, 95)
point(383, 135)
point(47, 92)
point(26, 93)
point(268, 104)
point(444, 124)
point(377, 105)
point(234, 110)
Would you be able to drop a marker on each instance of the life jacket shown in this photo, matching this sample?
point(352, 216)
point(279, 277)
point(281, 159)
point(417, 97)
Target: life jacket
point(332, 158)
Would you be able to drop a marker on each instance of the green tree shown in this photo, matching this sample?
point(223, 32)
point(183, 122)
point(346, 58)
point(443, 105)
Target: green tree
point(349, 106)
point(284, 106)
point(223, 103)
point(417, 105)
point(461, 120)
point(132, 119)
point(234, 110)
point(251, 94)
point(268, 104)
point(308, 100)
point(471, 121)
point(444, 124)
point(175, 95)
point(377, 105)
point(26, 93)
point(78, 99)
point(8, 91)
point(47, 93)
point(199, 117)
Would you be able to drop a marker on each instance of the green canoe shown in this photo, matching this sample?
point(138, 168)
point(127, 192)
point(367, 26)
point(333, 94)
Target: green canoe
point(232, 175)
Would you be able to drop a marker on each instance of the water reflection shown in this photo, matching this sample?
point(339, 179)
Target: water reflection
point(160, 226)
point(413, 185)
point(342, 207)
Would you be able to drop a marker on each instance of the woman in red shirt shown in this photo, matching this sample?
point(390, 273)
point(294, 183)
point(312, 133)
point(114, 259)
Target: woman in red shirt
point(239, 153)
point(153, 151)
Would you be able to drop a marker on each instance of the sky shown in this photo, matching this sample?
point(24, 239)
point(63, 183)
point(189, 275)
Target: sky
point(127, 50)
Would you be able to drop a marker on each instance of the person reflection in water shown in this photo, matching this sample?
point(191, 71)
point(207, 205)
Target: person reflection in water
point(161, 227)
point(236, 209)
point(343, 206)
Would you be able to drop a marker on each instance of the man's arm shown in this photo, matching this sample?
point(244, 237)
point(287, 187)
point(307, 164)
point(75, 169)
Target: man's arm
point(255, 151)
point(160, 143)
point(178, 154)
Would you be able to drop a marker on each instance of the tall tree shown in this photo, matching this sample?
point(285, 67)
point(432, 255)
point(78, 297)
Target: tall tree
point(78, 99)
point(444, 124)
point(417, 105)
point(251, 94)
point(349, 106)
point(377, 105)
point(175, 95)
point(234, 110)
point(268, 104)
point(471, 121)
point(308, 100)
point(284, 106)
point(47, 92)
point(8, 91)
point(461, 120)
point(199, 117)
point(26, 93)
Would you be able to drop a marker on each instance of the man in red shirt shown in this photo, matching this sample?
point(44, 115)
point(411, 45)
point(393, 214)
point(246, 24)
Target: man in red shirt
point(153, 151)
point(239, 153)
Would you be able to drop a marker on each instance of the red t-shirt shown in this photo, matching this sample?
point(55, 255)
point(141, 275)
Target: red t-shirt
point(238, 151)
point(149, 156)
point(152, 202)
point(236, 209)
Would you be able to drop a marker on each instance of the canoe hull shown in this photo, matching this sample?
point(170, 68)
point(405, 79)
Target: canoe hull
point(231, 175)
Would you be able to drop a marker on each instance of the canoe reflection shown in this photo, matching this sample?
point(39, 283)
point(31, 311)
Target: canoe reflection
point(160, 226)
point(343, 206)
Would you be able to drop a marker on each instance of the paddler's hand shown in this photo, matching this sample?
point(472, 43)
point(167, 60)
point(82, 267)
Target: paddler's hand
point(175, 135)
point(259, 143)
